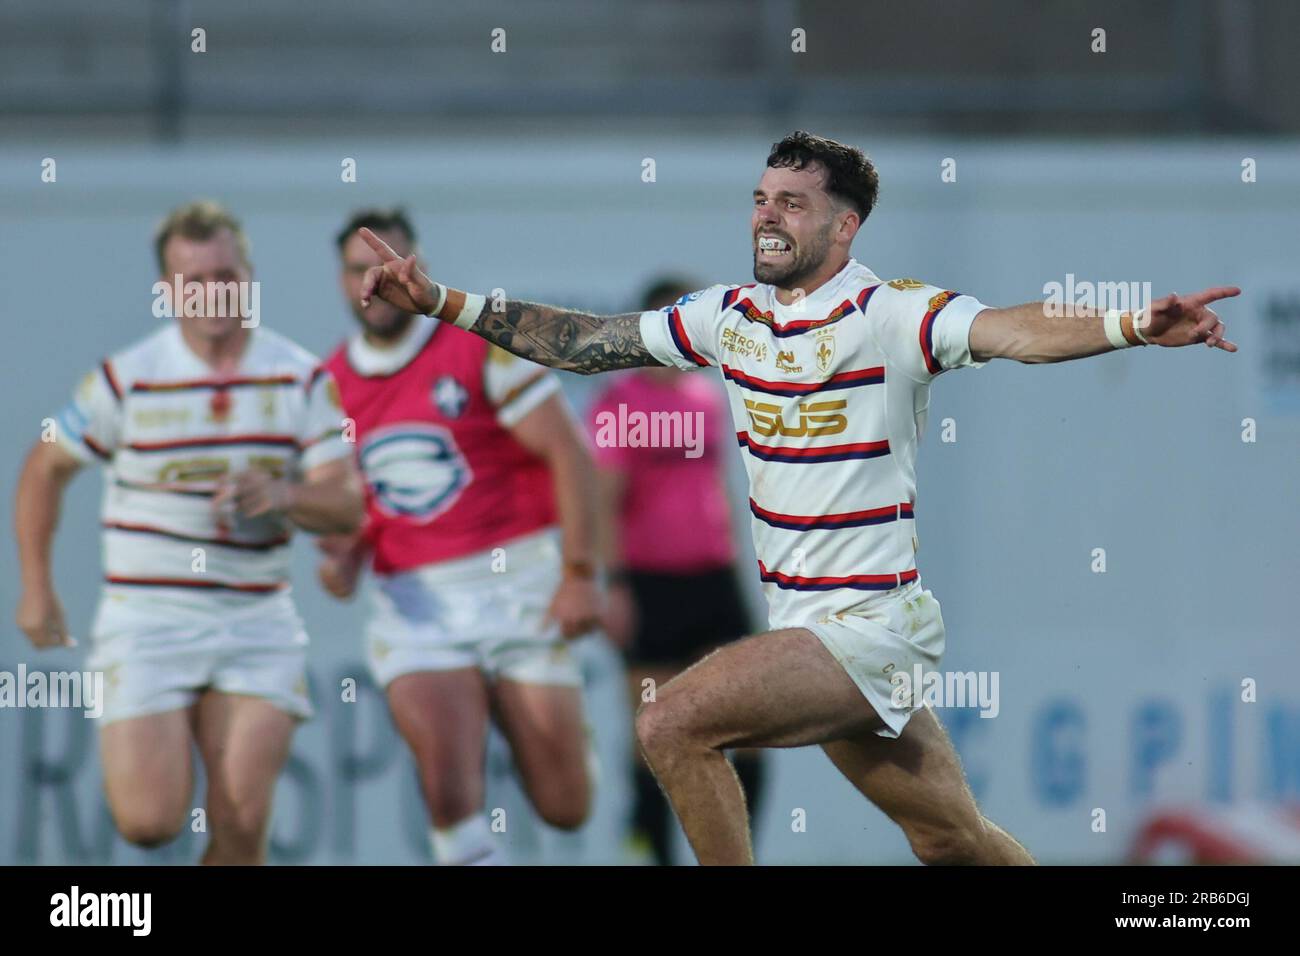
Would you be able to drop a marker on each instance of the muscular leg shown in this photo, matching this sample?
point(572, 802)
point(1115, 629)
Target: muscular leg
point(778, 689)
point(149, 775)
point(244, 741)
point(443, 717)
point(543, 724)
point(918, 781)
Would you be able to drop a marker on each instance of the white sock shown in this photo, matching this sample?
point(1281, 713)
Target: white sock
point(470, 842)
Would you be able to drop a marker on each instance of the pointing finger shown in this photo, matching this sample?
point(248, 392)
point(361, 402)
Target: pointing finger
point(1212, 294)
point(377, 244)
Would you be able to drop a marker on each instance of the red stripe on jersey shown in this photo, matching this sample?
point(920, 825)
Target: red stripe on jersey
point(177, 536)
point(281, 440)
point(197, 383)
point(753, 314)
point(865, 449)
point(683, 342)
point(926, 332)
point(188, 583)
point(866, 582)
point(865, 376)
point(845, 519)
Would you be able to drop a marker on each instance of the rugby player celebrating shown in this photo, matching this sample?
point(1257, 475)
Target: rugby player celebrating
point(828, 369)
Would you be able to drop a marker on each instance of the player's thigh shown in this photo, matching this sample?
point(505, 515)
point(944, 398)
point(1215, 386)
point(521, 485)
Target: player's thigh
point(148, 769)
point(443, 717)
point(777, 689)
point(244, 741)
point(547, 734)
point(915, 779)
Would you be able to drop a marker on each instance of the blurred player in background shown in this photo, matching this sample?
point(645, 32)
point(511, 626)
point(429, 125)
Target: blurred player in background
point(828, 369)
point(470, 458)
point(667, 539)
point(219, 436)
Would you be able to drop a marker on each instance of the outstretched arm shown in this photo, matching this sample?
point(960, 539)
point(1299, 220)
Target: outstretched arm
point(1027, 334)
point(548, 335)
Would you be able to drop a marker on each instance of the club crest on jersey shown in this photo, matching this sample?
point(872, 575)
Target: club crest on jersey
point(825, 354)
point(450, 396)
point(414, 470)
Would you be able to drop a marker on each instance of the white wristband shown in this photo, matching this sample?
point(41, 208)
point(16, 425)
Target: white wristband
point(470, 311)
point(1113, 331)
point(466, 306)
point(440, 291)
point(1137, 326)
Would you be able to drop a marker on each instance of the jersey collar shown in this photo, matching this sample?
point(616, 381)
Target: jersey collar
point(840, 286)
point(369, 360)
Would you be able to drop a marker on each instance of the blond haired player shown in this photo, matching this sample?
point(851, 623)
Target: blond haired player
point(828, 369)
point(217, 437)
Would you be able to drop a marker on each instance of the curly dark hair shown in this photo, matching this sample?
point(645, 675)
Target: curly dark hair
point(850, 176)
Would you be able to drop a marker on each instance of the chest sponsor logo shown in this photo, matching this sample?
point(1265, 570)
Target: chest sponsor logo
point(414, 470)
point(213, 468)
point(450, 396)
point(814, 419)
point(159, 417)
point(785, 363)
point(733, 341)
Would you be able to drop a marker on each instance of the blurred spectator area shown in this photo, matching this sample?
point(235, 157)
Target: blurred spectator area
point(997, 66)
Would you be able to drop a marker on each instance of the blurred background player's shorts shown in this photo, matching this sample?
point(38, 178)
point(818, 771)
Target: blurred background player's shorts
point(260, 650)
point(880, 642)
point(486, 610)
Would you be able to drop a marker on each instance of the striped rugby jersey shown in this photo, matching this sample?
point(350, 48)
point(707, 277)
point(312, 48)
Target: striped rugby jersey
point(168, 432)
point(829, 398)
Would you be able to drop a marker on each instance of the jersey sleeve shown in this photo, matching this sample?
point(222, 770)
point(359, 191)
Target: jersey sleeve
point(320, 439)
point(515, 386)
point(924, 329)
point(90, 425)
point(686, 333)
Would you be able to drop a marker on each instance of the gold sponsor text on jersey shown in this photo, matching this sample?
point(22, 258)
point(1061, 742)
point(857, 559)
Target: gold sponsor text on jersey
point(815, 419)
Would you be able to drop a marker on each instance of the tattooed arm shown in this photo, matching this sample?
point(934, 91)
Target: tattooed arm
point(561, 338)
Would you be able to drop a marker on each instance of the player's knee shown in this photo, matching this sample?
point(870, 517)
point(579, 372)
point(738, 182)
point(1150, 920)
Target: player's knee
point(944, 846)
point(450, 797)
point(239, 823)
point(657, 728)
point(564, 809)
point(148, 828)
point(667, 728)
